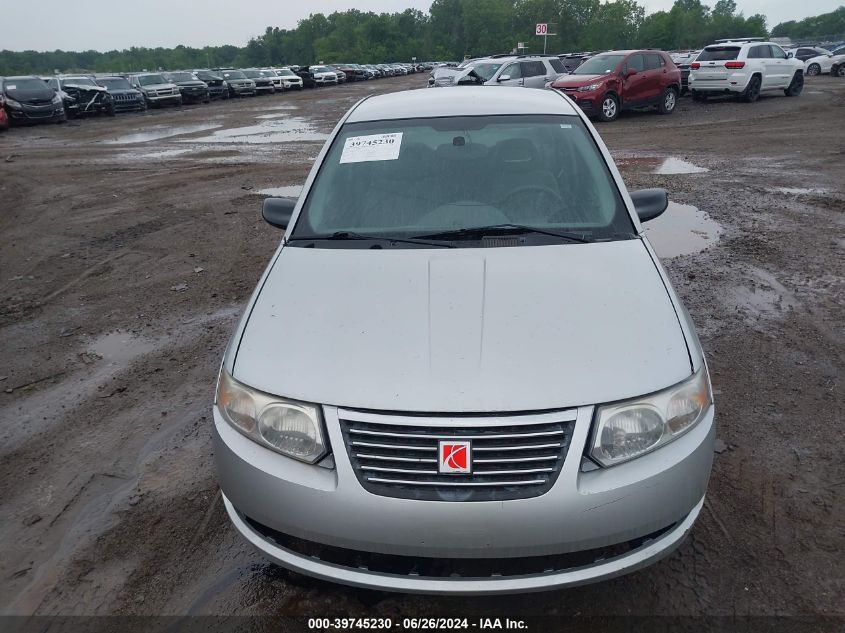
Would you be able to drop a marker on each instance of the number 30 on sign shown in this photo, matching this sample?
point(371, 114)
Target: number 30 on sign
point(542, 29)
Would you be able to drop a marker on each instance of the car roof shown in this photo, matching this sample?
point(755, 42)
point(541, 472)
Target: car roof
point(460, 101)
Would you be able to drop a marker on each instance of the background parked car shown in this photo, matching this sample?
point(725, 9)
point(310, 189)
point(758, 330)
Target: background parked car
point(82, 96)
point(217, 87)
point(278, 84)
point(744, 68)
point(263, 84)
point(29, 99)
point(806, 52)
point(619, 80)
point(192, 89)
point(821, 64)
point(290, 80)
point(156, 89)
point(305, 75)
point(4, 118)
point(683, 61)
point(239, 84)
point(323, 75)
point(341, 76)
point(125, 97)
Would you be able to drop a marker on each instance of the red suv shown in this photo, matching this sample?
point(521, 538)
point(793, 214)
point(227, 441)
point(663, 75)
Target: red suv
point(614, 81)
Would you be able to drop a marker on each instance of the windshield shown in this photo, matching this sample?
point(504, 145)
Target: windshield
point(181, 77)
point(25, 83)
point(599, 65)
point(79, 81)
point(718, 53)
point(115, 84)
point(416, 177)
point(209, 77)
point(486, 71)
point(319, 69)
point(285, 72)
point(252, 74)
point(234, 74)
point(151, 80)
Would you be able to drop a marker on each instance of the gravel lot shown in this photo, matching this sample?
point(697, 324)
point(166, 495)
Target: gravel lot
point(130, 246)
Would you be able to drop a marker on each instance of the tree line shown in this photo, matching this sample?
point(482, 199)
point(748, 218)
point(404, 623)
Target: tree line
point(451, 30)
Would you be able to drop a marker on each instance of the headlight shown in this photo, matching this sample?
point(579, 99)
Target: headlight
point(625, 430)
point(288, 427)
point(14, 104)
point(589, 88)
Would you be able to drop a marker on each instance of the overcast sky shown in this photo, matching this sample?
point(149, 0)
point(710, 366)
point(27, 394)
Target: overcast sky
point(117, 24)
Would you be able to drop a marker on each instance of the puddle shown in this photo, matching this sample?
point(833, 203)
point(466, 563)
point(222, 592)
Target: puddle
point(286, 130)
point(673, 165)
point(118, 348)
point(157, 132)
point(290, 191)
point(681, 230)
point(796, 191)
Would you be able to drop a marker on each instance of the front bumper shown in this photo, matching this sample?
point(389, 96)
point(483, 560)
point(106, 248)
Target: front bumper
point(583, 511)
point(36, 114)
point(156, 99)
point(194, 95)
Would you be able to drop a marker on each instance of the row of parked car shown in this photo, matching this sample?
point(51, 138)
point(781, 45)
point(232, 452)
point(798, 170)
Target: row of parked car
point(31, 99)
point(604, 84)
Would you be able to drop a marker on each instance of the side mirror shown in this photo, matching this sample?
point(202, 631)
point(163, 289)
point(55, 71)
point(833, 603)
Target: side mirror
point(630, 72)
point(649, 203)
point(278, 211)
point(504, 78)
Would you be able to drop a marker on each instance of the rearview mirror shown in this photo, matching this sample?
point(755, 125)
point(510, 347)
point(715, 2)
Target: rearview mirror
point(649, 203)
point(278, 211)
point(504, 78)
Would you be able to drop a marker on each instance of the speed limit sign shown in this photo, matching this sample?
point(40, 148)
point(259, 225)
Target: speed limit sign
point(542, 29)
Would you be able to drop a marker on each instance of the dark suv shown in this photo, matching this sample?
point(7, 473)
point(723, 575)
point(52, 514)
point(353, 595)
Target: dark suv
point(608, 83)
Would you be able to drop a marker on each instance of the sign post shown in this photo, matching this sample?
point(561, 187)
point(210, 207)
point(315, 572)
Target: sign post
point(543, 29)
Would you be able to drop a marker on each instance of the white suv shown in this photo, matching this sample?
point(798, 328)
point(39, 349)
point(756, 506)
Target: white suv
point(744, 67)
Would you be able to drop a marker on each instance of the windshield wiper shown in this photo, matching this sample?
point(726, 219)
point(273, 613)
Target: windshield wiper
point(482, 231)
point(350, 235)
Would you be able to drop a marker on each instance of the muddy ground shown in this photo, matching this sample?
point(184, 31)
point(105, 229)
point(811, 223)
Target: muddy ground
point(130, 246)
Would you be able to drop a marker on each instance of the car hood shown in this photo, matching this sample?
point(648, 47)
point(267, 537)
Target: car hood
point(576, 81)
point(27, 96)
point(158, 86)
point(452, 330)
point(189, 84)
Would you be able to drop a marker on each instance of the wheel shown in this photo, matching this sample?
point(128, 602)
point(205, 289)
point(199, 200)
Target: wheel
point(668, 101)
point(838, 71)
point(110, 110)
point(609, 108)
point(752, 90)
point(795, 86)
point(179, 102)
point(814, 69)
point(698, 96)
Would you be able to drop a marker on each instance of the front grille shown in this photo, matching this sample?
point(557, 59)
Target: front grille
point(513, 457)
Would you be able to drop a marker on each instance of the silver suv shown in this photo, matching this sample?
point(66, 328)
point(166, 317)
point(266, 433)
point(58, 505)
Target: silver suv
point(527, 71)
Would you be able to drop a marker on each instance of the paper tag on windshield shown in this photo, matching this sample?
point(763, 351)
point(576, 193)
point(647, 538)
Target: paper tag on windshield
point(362, 149)
point(11, 86)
